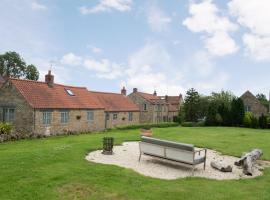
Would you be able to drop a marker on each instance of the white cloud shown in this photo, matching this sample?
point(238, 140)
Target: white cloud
point(71, 59)
point(257, 46)
point(94, 49)
point(158, 20)
point(255, 16)
point(107, 6)
point(206, 18)
point(38, 6)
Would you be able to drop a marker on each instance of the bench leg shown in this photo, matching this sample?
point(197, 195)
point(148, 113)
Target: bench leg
point(140, 156)
point(204, 164)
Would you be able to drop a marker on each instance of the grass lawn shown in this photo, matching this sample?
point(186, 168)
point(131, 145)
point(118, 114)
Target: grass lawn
point(55, 168)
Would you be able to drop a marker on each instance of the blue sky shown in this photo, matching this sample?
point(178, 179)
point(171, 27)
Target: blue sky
point(169, 46)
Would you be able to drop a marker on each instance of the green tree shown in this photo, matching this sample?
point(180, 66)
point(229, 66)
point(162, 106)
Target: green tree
point(262, 98)
point(31, 73)
point(263, 121)
point(247, 122)
point(211, 118)
point(13, 65)
point(204, 102)
point(237, 112)
point(191, 105)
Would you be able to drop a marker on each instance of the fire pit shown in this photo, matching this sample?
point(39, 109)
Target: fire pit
point(107, 146)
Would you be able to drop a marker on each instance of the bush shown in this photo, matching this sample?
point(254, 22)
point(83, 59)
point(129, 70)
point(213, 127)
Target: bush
point(193, 124)
point(147, 126)
point(254, 122)
point(263, 121)
point(247, 119)
point(5, 128)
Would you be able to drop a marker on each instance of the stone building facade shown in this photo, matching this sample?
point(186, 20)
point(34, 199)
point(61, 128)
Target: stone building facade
point(49, 108)
point(253, 105)
point(119, 109)
point(153, 108)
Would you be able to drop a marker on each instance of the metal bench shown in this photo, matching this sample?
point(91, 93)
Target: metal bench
point(174, 151)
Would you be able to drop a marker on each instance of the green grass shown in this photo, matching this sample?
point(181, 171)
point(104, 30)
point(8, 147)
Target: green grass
point(55, 168)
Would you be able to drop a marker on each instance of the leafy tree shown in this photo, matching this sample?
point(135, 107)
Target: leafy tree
point(248, 119)
point(262, 98)
point(204, 102)
point(237, 112)
point(263, 121)
point(254, 122)
point(191, 105)
point(211, 118)
point(31, 73)
point(223, 97)
point(225, 114)
point(12, 65)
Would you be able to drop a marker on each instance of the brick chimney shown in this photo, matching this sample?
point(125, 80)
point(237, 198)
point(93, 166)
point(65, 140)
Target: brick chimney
point(49, 78)
point(155, 93)
point(135, 90)
point(166, 98)
point(124, 91)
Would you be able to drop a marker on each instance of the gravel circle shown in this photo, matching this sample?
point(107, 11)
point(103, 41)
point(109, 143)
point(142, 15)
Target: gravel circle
point(127, 156)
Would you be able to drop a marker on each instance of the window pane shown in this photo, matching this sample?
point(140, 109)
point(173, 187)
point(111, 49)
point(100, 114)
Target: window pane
point(90, 116)
point(130, 116)
point(64, 117)
point(114, 116)
point(47, 118)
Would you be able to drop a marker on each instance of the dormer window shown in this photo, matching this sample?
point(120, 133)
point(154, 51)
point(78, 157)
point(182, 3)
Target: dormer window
point(70, 93)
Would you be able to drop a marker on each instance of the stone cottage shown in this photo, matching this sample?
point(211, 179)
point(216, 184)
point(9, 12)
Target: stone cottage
point(252, 104)
point(153, 108)
point(174, 105)
point(49, 108)
point(119, 109)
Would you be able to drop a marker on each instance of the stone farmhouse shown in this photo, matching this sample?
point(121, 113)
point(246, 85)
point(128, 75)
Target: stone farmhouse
point(252, 104)
point(49, 108)
point(156, 109)
point(119, 109)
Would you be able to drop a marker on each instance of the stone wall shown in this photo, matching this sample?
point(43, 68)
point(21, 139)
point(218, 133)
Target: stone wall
point(122, 119)
point(152, 114)
point(77, 122)
point(23, 116)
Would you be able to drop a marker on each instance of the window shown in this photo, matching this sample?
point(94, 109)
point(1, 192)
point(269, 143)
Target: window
point(114, 116)
point(8, 115)
point(70, 92)
point(107, 116)
point(130, 116)
point(64, 117)
point(145, 107)
point(47, 117)
point(248, 108)
point(90, 116)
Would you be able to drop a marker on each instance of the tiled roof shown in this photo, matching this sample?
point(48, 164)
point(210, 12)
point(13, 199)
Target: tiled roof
point(115, 102)
point(174, 102)
point(151, 98)
point(40, 95)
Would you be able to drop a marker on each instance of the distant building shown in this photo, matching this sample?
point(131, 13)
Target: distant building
point(155, 109)
point(49, 108)
point(119, 109)
point(253, 105)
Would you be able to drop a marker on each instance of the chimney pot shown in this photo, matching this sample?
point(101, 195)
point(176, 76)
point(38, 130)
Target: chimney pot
point(135, 90)
point(124, 91)
point(155, 93)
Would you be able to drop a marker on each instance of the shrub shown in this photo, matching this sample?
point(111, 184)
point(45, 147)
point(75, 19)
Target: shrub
point(5, 128)
point(254, 122)
point(188, 124)
point(147, 126)
point(247, 119)
point(263, 121)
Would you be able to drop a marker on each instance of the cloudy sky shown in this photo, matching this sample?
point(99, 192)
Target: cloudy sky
point(169, 46)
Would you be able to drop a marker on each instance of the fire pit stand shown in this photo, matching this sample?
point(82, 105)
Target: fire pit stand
point(107, 145)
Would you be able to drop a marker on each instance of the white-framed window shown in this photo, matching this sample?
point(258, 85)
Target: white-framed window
point(107, 116)
point(144, 106)
point(64, 117)
point(130, 116)
point(115, 116)
point(8, 115)
point(248, 108)
point(90, 116)
point(47, 117)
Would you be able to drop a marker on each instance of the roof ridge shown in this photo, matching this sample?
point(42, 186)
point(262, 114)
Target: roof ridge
point(105, 92)
point(43, 82)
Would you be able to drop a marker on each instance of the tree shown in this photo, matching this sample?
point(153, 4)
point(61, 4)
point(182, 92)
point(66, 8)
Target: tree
point(204, 102)
point(211, 118)
point(237, 111)
point(247, 122)
point(191, 105)
point(224, 112)
point(31, 73)
point(12, 65)
point(263, 121)
point(223, 97)
point(262, 98)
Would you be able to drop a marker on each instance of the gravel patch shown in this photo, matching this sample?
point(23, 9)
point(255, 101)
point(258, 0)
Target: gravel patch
point(127, 156)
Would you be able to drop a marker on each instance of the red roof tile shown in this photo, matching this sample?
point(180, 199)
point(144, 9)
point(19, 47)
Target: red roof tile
point(40, 95)
point(115, 102)
point(152, 98)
